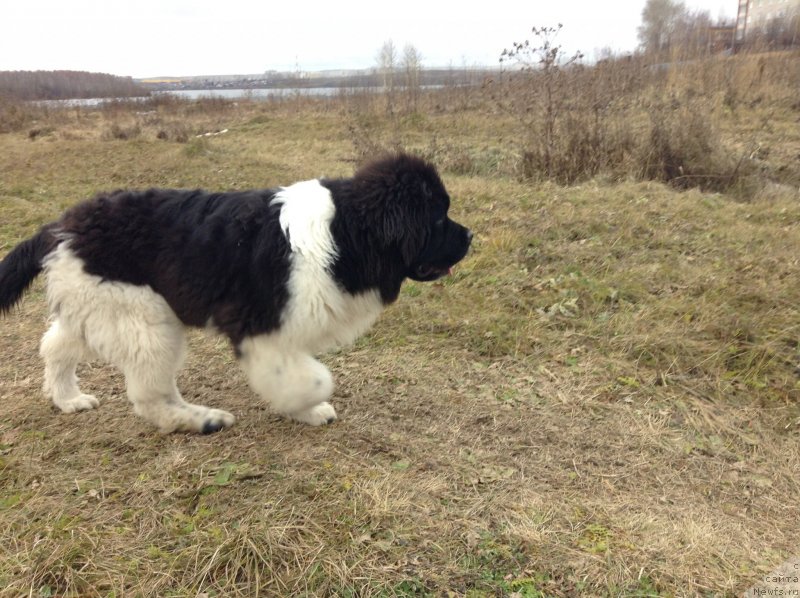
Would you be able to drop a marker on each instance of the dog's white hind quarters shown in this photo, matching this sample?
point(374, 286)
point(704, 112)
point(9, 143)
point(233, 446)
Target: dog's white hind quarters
point(133, 328)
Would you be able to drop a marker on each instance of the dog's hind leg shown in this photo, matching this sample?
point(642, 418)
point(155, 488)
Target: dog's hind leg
point(159, 402)
point(134, 329)
point(295, 384)
point(129, 326)
point(62, 350)
point(150, 379)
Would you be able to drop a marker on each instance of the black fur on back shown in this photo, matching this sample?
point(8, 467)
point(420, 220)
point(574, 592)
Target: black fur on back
point(214, 257)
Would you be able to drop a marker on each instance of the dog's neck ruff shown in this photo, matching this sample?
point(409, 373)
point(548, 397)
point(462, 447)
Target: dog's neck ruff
point(306, 214)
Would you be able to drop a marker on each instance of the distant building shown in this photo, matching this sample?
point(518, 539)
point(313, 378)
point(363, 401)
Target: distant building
point(756, 16)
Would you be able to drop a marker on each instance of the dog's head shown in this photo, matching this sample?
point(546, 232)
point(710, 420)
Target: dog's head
point(413, 206)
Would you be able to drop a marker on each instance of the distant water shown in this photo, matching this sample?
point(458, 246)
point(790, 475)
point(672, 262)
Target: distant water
point(229, 94)
point(256, 94)
point(86, 102)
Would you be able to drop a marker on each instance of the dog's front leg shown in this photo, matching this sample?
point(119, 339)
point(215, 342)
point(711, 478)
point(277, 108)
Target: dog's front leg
point(294, 383)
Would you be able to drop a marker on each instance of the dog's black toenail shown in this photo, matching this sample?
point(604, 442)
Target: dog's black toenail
point(210, 427)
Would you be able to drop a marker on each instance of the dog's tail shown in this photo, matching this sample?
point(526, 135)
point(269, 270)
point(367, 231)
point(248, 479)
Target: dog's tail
point(22, 265)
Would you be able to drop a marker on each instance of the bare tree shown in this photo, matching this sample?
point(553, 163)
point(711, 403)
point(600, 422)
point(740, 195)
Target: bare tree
point(661, 20)
point(412, 64)
point(692, 35)
point(537, 88)
point(387, 65)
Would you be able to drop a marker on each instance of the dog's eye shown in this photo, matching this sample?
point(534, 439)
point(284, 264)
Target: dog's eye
point(439, 223)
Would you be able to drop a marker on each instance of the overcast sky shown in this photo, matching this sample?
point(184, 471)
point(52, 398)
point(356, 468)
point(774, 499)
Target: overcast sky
point(146, 38)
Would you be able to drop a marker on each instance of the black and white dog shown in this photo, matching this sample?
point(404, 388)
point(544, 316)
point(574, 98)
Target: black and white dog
point(285, 273)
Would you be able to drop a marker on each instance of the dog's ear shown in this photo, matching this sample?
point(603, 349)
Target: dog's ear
point(404, 228)
point(393, 224)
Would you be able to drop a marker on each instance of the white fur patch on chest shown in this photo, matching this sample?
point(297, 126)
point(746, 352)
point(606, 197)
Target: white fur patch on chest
point(320, 315)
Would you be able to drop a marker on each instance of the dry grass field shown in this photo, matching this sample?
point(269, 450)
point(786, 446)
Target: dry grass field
point(603, 399)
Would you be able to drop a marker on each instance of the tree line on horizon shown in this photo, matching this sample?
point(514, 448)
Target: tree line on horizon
point(60, 85)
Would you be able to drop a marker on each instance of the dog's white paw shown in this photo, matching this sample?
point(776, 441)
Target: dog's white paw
point(318, 415)
point(186, 417)
point(80, 403)
point(215, 420)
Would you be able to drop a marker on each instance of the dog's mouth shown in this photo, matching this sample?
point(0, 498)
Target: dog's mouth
point(439, 260)
point(428, 272)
